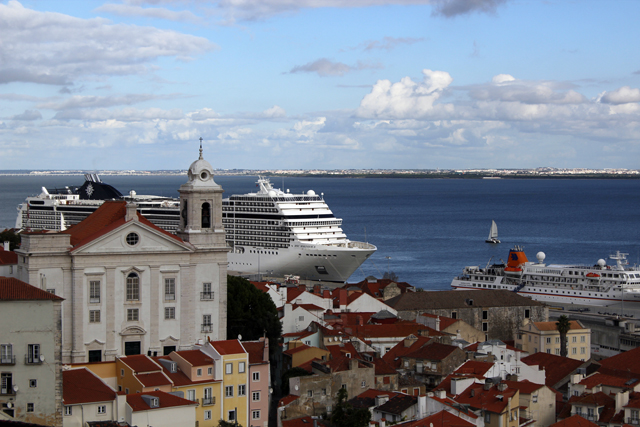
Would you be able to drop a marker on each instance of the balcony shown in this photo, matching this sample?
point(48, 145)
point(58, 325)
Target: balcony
point(208, 401)
point(30, 360)
point(207, 327)
point(633, 421)
point(8, 360)
point(206, 296)
point(169, 297)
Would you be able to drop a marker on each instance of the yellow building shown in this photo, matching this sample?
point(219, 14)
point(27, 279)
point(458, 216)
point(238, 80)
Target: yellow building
point(231, 365)
point(544, 337)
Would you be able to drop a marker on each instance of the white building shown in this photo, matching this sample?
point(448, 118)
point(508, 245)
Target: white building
point(131, 287)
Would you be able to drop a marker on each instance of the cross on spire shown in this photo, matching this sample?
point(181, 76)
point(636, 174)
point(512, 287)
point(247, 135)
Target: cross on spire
point(200, 148)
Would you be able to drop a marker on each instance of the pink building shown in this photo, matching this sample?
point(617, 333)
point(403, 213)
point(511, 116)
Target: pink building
point(259, 380)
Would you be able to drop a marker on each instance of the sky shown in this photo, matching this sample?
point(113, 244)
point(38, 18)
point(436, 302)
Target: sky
point(319, 84)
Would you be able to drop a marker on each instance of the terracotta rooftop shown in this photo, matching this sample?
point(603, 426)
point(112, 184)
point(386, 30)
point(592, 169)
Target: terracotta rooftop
point(551, 326)
point(287, 399)
point(474, 367)
point(303, 422)
point(433, 300)
point(82, 386)
point(367, 399)
point(478, 398)
point(141, 363)
point(435, 351)
point(153, 379)
point(398, 329)
point(398, 404)
point(12, 289)
point(445, 322)
point(166, 400)
point(195, 357)
point(525, 386)
point(608, 380)
point(228, 347)
point(179, 378)
point(627, 362)
point(556, 367)
point(383, 367)
point(440, 419)
point(574, 421)
point(256, 352)
point(109, 216)
point(375, 289)
point(410, 344)
point(7, 257)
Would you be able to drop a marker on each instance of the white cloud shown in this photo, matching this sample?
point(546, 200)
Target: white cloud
point(451, 8)
point(621, 95)
point(57, 49)
point(149, 12)
point(28, 115)
point(406, 99)
point(324, 67)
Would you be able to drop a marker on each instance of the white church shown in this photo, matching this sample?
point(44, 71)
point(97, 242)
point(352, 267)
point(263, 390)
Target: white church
point(131, 287)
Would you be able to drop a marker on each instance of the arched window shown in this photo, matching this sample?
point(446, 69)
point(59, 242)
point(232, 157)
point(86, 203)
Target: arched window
point(184, 213)
point(206, 215)
point(133, 287)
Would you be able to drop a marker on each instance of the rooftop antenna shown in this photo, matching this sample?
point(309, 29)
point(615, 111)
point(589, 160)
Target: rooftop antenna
point(200, 148)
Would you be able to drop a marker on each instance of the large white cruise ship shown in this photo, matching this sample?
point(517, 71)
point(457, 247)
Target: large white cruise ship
point(599, 284)
point(270, 232)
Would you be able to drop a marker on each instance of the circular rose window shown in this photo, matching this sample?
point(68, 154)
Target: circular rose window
point(132, 239)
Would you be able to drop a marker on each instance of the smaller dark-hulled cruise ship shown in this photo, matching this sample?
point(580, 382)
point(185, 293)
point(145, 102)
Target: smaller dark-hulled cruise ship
point(270, 232)
point(599, 284)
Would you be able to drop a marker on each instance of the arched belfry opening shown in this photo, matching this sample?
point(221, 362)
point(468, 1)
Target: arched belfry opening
point(206, 215)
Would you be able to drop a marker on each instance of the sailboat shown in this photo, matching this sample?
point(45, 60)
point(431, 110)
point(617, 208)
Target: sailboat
point(493, 233)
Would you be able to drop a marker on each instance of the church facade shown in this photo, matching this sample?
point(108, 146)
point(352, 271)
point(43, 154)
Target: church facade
point(131, 287)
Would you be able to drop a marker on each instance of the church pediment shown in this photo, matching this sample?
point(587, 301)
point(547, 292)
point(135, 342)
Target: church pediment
point(134, 237)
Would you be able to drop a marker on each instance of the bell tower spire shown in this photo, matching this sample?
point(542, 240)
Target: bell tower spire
point(201, 207)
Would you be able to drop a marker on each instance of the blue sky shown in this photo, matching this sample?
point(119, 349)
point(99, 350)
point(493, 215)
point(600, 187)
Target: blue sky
point(280, 84)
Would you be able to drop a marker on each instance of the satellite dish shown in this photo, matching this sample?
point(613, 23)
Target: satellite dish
point(15, 388)
point(42, 357)
point(296, 387)
point(9, 405)
point(239, 337)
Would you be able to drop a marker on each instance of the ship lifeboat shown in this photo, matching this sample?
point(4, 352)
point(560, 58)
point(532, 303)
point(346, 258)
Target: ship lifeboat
point(593, 275)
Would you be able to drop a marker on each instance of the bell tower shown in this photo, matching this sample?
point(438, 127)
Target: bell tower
point(201, 207)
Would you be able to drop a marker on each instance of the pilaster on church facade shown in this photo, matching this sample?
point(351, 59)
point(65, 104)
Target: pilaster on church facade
point(131, 287)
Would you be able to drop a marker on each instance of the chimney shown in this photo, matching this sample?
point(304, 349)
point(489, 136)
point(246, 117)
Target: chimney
point(6, 245)
point(437, 328)
point(360, 320)
point(302, 288)
point(326, 294)
point(317, 290)
point(409, 341)
point(132, 212)
point(342, 297)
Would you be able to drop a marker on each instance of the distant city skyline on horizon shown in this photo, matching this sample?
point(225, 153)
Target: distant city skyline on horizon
point(273, 85)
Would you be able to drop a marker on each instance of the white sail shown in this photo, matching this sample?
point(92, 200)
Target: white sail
point(493, 234)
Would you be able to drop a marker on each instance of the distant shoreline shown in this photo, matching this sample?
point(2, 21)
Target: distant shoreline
point(354, 175)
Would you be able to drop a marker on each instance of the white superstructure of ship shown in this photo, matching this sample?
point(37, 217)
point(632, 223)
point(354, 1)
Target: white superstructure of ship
point(598, 285)
point(270, 232)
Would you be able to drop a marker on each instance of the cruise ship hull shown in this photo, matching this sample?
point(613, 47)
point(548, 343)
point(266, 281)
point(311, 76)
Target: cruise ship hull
point(595, 285)
point(263, 240)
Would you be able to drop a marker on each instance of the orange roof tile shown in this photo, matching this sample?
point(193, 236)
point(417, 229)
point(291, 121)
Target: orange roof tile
point(603, 379)
point(556, 367)
point(478, 398)
point(627, 362)
point(12, 289)
point(82, 386)
point(440, 419)
point(525, 386)
point(166, 400)
point(7, 257)
point(474, 367)
point(195, 357)
point(574, 421)
point(141, 363)
point(287, 399)
point(256, 352)
point(551, 326)
point(228, 347)
point(153, 379)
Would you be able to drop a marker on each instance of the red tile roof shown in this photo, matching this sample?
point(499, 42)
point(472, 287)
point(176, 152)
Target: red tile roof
point(440, 419)
point(383, 368)
point(556, 367)
point(574, 421)
point(82, 386)
point(109, 216)
point(393, 356)
point(141, 363)
point(166, 400)
point(445, 322)
point(302, 422)
point(435, 351)
point(453, 404)
point(628, 362)
point(525, 386)
point(474, 367)
point(195, 357)
point(228, 347)
point(376, 288)
point(256, 352)
point(398, 329)
point(287, 399)
point(153, 379)
point(551, 326)
point(7, 257)
point(12, 289)
point(180, 379)
point(478, 398)
point(608, 380)
point(297, 349)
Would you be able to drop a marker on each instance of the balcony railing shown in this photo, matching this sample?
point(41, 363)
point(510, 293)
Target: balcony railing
point(169, 297)
point(208, 401)
point(8, 360)
point(207, 327)
point(30, 360)
point(206, 296)
point(94, 300)
point(633, 421)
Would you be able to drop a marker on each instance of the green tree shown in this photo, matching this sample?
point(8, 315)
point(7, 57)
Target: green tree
point(251, 313)
point(563, 326)
point(223, 423)
point(11, 237)
point(345, 415)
